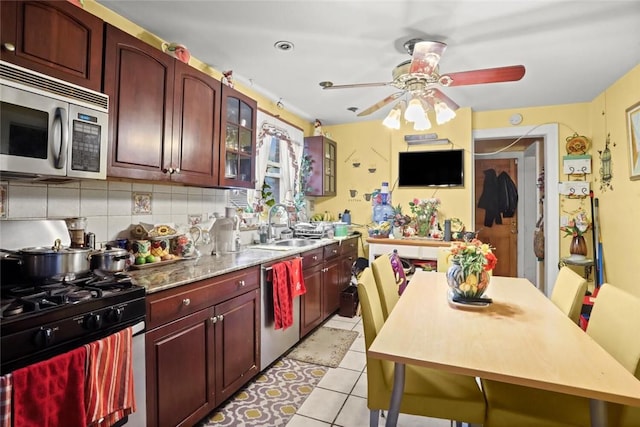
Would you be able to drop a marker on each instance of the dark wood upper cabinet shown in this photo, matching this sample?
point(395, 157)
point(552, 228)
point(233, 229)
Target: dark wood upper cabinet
point(238, 139)
point(322, 178)
point(139, 81)
point(55, 38)
point(196, 127)
point(165, 115)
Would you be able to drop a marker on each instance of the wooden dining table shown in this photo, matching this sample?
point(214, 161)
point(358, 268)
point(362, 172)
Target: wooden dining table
point(520, 338)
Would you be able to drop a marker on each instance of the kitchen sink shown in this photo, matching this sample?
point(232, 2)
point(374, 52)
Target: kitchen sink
point(294, 243)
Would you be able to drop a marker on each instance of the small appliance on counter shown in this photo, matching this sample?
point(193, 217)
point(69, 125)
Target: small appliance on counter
point(77, 227)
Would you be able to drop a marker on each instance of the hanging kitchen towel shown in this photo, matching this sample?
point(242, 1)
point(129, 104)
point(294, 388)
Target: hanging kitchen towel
point(296, 280)
point(282, 307)
point(6, 388)
point(109, 388)
point(51, 393)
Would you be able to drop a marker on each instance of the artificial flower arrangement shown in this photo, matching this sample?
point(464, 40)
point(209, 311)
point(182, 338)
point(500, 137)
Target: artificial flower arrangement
point(471, 263)
point(577, 225)
point(425, 211)
point(400, 219)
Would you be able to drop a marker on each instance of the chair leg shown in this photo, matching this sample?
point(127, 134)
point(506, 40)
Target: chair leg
point(374, 414)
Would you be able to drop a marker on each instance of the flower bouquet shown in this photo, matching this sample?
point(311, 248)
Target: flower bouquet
point(425, 214)
point(471, 264)
point(576, 227)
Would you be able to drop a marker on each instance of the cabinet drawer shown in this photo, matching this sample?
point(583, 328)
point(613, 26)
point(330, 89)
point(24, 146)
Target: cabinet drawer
point(349, 246)
point(312, 257)
point(332, 250)
point(175, 303)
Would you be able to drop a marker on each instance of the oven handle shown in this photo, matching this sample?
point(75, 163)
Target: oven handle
point(60, 138)
point(138, 328)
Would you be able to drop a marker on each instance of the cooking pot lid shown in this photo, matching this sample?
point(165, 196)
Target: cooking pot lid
point(50, 250)
point(112, 251)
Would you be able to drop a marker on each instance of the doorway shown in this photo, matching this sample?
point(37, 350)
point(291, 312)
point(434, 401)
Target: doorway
point(538, 151)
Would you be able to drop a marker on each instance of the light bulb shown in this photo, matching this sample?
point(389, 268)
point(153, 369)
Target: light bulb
point(392, 121)
point(414, 111)
point(443, 112)
point(422, 124)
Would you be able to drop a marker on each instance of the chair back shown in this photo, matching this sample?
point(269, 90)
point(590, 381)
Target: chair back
point(614, 324)
point(568, 293)
point(385, 280)
point(443, 260)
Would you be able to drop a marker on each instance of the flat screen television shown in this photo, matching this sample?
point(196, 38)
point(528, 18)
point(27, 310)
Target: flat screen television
point(439, 168)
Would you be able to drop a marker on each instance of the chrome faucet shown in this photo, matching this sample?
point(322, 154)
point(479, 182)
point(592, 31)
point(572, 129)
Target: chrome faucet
point(270, 236)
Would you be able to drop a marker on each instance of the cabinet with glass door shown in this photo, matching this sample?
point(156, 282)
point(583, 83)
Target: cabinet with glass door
point(238, 139)
point(322, 177)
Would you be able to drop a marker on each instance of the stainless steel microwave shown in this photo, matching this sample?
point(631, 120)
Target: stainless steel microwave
point(50, 129)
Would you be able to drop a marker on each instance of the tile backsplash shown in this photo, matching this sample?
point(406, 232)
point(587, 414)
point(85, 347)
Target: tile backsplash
point(109, 205)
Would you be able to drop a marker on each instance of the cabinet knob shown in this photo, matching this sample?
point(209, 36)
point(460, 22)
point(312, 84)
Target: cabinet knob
point(315, 257)
point(220, 318)
point(241, 283)
point(9, 47)
point(176, 170)
point(167, 170)
point(335, 251)
point(186, 302)
point(213, 319)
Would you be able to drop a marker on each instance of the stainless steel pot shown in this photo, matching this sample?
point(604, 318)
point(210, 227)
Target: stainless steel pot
point(110, 260)
point(56, 263)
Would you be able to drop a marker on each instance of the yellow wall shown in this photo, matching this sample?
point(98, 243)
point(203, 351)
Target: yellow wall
point(375, 146)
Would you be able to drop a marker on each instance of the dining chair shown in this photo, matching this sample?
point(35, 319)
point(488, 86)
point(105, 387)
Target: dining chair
point(568, 293)
point(614, 325)
point(443, 260)
point(427, 392)
point(385, 279)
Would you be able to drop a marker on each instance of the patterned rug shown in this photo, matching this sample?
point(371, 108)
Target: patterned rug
point(271, 399)
point(325, 346)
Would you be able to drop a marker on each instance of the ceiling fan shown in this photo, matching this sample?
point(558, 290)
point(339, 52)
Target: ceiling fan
point(420, 77)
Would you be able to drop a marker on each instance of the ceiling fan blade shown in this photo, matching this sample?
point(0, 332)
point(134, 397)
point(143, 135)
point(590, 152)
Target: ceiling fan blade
point(444, 98)
point(426, 56)
point(354, 85)
point(380, 104)
point(489, 75)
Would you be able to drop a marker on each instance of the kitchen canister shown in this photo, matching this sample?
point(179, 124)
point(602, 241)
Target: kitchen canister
point(340, 229)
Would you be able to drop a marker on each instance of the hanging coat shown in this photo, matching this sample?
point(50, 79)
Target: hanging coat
point(507, 195)
point(489, 200)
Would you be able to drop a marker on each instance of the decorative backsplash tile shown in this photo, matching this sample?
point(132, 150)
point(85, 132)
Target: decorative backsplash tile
point(110, 207)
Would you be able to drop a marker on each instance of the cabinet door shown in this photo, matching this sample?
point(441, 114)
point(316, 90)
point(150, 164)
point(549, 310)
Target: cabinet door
point(311, 314)
point(54, 38)
point(332, 285)
point(139, 81)
point(180, 371)
point(237, 343)
point(238, 139)
point(196, 127)
point(322, 176)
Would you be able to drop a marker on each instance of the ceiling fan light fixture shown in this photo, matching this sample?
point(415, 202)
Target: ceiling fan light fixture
point(422, 124)
point(415, 110)
point(392, 121)
point(443, 112)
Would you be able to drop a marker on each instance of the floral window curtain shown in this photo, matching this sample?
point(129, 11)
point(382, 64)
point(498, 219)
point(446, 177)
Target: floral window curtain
point(291, 139)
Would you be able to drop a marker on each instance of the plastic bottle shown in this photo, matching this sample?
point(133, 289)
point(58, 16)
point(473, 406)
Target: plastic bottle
point(383, 211)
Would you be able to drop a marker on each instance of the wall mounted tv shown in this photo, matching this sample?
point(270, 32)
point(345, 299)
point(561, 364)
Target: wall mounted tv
point(439, 168)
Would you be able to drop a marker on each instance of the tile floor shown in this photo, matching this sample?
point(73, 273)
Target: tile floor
point(340, 398)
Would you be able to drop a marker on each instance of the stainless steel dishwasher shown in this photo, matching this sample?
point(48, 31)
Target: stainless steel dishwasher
point(275, 342)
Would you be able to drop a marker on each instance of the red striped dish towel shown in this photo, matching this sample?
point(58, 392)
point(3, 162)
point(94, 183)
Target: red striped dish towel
point(51, 393)
point(109, 388)
point(6, 390)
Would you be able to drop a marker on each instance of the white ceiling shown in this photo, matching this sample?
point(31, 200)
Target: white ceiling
point(572, 50)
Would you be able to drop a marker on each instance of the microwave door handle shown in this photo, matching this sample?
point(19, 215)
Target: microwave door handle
point(60, 138)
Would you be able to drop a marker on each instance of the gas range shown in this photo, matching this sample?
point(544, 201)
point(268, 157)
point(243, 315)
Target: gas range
point(41, 320)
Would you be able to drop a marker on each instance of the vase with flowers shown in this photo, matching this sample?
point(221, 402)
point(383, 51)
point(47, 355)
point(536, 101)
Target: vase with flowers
point(399, 221)
point(471, 265)
point(577, 225)
point(425, 213)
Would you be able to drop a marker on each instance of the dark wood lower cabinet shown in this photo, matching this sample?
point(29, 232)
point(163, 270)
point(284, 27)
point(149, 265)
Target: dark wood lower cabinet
point(311, 313)
point(199, 358)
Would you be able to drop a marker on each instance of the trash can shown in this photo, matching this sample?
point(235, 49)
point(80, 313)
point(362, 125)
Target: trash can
point(348, 302)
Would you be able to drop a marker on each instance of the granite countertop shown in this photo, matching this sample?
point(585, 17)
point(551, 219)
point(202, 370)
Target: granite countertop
point(162, 277)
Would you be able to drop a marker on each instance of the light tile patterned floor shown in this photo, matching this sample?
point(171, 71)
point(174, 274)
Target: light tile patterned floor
point(340, 398)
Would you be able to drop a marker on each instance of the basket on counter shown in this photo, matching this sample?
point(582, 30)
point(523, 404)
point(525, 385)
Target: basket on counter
point(379, 231)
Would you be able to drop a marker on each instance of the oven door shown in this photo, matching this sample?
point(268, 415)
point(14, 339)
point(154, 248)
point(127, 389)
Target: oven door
point(139, 418)
point(34, 134)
